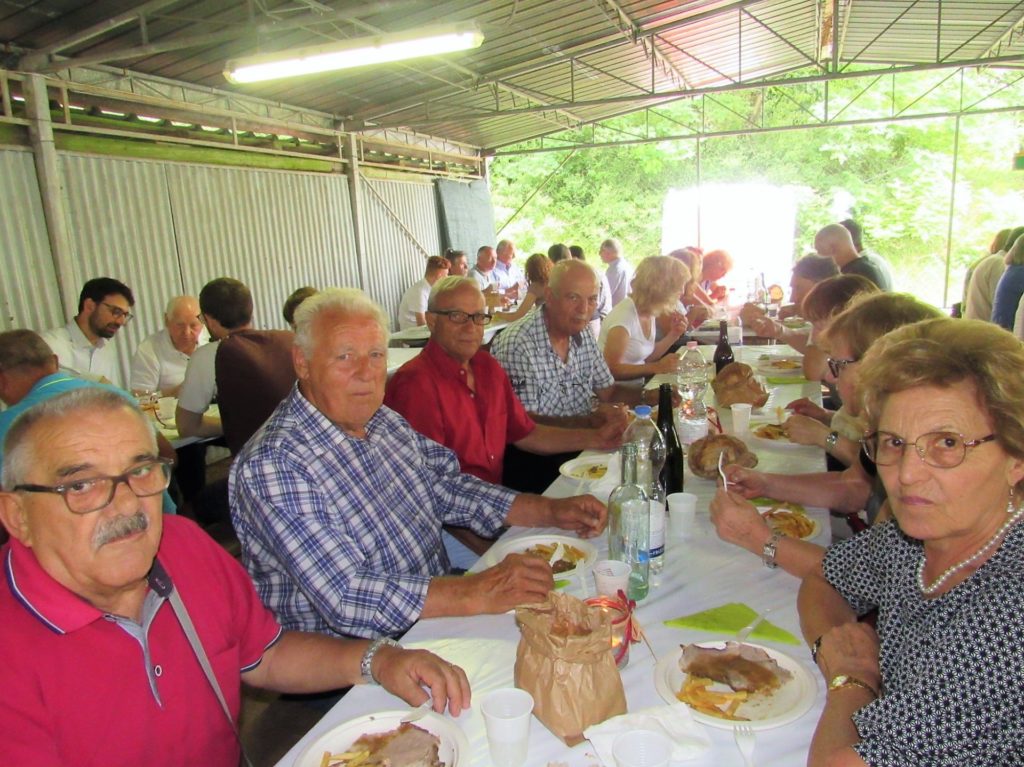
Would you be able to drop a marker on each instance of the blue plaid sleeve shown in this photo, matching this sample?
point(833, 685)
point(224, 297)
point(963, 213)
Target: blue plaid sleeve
point(299, 540)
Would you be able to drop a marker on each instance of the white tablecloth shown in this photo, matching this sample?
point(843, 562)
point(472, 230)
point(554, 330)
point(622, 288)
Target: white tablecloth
point(701, 572)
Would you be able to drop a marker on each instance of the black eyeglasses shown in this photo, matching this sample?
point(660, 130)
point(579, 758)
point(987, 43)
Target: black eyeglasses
point(118, 312)
point(941, 449)
point(835, 367)
point(83, 496)
point(461, 318)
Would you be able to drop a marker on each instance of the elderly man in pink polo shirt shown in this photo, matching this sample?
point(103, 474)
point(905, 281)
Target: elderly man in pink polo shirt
point(100, 589)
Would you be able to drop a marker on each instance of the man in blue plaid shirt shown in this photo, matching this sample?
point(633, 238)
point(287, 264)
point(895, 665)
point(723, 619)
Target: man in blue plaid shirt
point(338, 502)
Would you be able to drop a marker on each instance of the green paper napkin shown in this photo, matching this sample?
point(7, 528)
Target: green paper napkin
point(730, 618)
point(784, 380)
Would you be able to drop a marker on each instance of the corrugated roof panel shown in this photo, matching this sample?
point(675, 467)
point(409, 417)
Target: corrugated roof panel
point(711, 42)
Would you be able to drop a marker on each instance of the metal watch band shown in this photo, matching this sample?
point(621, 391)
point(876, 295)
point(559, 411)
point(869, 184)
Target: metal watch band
point(831, 441)
point(843, 681)
point(815, 647)
point(366, 664)
point(769, 550)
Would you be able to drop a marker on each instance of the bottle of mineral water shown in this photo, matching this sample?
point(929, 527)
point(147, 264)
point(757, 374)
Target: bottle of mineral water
point(693, 382)
point(629, 521)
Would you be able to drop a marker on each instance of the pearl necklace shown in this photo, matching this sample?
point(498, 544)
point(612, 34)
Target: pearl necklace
point(935, 585)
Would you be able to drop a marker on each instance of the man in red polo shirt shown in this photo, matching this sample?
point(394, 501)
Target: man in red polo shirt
point(97, 668)
point(457, 394)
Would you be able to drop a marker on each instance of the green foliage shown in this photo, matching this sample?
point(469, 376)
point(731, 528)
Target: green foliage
point(895, 177)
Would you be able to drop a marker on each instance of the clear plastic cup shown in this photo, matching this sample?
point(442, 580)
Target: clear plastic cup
point(741, 417)
point(611, 576)
point(641, 748)
point(507, 715)
point(682, 514)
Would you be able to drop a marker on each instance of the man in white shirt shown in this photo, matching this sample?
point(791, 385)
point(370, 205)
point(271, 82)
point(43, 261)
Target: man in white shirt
point(619, 273)
point(413, 309)
point(508, 274)
point(104, 307)
point(160, 361)
point(483, 271)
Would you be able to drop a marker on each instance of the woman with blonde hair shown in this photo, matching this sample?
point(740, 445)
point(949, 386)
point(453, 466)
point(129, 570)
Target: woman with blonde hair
point(628, 335)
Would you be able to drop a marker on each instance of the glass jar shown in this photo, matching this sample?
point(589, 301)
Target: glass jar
point(619, 618)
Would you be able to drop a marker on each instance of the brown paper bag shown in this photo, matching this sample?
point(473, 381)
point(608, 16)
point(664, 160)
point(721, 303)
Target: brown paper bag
point(564, 661)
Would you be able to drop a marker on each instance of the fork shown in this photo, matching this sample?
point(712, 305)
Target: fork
point(744, 735)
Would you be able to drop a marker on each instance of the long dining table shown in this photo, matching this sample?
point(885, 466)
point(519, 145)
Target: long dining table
point(700, 572)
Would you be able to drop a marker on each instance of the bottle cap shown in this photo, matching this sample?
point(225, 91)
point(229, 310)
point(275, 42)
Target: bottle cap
point(691, 344)
point(642, 410)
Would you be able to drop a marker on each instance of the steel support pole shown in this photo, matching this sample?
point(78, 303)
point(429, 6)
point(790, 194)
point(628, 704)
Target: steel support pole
point(355, 196)
point(952, 210)
point(51, 190)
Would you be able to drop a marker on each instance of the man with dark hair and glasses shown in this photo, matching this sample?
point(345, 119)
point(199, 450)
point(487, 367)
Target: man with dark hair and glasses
point(104, 307)
point(472, 408)
point(100, 587)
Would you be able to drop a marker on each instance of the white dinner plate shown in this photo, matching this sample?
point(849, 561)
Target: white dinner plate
point(767, 366)
point(518, 545)
point(815, 524)
point(786, 704)
point(784, 444)
point(577, 467)
point(453, 749)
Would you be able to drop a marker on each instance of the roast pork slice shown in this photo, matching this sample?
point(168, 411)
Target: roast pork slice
point(740, 666)
point(406, 746)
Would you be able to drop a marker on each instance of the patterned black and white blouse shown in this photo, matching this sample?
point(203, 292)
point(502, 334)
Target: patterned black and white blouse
point(952, 666)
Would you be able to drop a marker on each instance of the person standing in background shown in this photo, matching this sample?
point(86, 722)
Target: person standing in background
point(619, 273)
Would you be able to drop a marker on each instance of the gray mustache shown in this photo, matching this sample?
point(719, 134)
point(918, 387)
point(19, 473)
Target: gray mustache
point(119, 527)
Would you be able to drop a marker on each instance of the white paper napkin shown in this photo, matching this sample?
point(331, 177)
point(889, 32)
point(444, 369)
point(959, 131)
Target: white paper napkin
point(689, 740)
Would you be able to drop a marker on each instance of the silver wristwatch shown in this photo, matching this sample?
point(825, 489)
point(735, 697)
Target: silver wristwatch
point(831, 441)
point(769, 550)
point(366, 664)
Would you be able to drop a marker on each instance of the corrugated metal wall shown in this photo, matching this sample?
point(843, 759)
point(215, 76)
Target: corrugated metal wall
point(167, 228)
point(121, 227)
point(275, 231)
point(401, 232)
point(28, 287)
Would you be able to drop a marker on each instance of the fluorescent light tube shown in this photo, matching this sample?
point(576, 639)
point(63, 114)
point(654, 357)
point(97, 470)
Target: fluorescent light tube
point(379, 49)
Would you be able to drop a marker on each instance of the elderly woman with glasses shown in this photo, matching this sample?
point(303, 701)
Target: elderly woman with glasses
point(848, 338)
point(940, 682)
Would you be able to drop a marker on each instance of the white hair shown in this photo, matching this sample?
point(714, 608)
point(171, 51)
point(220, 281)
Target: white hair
point(350, 301)
point(20, 450)
point(447, 285)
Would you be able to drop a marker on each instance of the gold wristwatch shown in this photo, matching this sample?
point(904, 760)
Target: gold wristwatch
point(842, 681)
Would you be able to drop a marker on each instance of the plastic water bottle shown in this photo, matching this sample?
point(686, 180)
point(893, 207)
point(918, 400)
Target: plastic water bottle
point(629, 525)
point(650, 446)
point(650, 458)
point(693, 383)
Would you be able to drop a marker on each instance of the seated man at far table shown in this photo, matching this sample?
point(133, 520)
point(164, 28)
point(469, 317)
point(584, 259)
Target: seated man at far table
point(471, 407)
point(99, 584)
point(556, 368)
point(160, 360)
point(338, 502)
